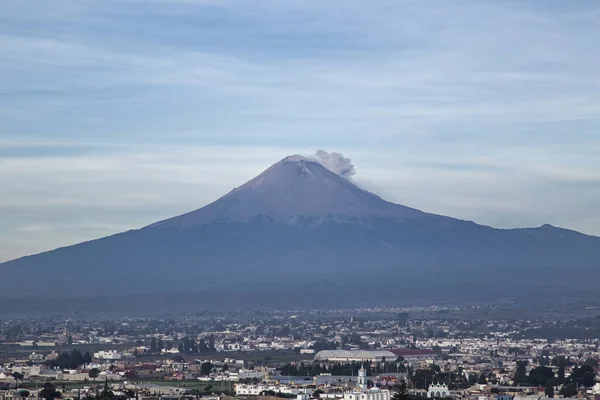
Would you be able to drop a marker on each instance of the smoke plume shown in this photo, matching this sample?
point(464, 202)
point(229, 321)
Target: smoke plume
point(336, 162)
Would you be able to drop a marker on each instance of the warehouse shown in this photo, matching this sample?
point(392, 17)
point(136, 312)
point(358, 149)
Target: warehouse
point(355, 355)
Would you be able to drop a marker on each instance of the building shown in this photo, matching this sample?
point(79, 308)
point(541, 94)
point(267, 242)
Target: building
point(362, 392)
point(438, 390)
point(261, 389)
point(355, 355)
point(108, 355)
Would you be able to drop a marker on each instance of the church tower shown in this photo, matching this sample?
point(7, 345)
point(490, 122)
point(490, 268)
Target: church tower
point(362, 378)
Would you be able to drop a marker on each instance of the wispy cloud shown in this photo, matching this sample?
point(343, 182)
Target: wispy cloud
point(128, 111)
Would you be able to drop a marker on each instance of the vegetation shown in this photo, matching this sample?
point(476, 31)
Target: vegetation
point(71, 360)
point(49, 392)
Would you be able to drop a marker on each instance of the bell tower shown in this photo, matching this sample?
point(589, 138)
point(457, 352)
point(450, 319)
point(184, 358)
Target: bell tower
point(362, 378)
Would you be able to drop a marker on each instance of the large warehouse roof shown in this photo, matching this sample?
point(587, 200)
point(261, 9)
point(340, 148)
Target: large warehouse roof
point(355, 355)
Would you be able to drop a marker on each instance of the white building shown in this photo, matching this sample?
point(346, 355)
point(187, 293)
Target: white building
point(258, 390)
point(355, 355)
point(438, 390)
point(111, 355)
point(243, 374)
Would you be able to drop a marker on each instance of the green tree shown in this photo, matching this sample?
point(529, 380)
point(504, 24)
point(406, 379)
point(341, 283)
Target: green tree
point(423, 377)
point(153, 345)
point(521, 372)
point(18, 377)
point(206, 368)
point(94, 373)
point(583, 376)
point(106, 392)
point(23, 394)
point(400, 392)
point(49, 392)
point(592, 362)
point(403, 318)
point(540, 376)
point(569, 390)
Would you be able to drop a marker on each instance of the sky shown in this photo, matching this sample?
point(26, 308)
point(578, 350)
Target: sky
point(116, 114)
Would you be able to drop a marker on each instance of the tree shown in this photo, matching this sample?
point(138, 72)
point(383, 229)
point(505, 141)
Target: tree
point(206, 368)
point(69, 360)
point(49, 392)
point(94, 373)
point(76, 359)
point(541, 375)
point(521, 372)
point(70, 340)
point(549, 389)
point(18, 377)
point(106, 392)
point(153, 345)
point(400, 392)
point(23, 393)
point(403, 318)
point(482, 380)
point(583, 376)
point(592, 362)
point(569, 390)
point(208, 388)
point(424, 376)
point(561, 362)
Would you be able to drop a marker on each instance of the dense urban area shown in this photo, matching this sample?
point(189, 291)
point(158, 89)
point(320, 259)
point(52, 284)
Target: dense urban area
point(363, 354)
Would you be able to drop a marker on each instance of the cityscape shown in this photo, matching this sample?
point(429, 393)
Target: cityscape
point(299, 199)
point(352, 354)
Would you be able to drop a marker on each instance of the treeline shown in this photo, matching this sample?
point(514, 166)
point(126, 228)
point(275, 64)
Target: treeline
point(72, 360)
point(583, 376)
point(352, 368)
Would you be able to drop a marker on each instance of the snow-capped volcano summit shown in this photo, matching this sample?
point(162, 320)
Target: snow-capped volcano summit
point(294, 187)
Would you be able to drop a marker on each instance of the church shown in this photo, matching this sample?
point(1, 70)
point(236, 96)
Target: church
point(362, 391)
point(438, 390)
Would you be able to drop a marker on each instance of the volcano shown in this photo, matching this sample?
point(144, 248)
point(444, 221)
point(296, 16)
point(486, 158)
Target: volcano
point(301, 235)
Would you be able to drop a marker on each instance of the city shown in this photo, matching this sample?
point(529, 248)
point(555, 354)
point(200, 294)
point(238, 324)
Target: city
point(299, 199)
point(433, 352)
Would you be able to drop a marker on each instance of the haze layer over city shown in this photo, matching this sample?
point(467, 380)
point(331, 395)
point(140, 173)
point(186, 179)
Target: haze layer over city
point(319, 200)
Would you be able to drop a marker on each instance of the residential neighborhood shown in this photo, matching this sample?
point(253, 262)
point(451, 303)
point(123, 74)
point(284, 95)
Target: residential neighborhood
point(362, 354)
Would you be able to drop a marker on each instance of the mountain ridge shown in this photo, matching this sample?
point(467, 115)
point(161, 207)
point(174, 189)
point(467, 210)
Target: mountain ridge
point(297, 224)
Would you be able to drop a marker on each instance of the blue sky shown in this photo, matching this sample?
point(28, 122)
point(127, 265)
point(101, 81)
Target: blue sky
point(115, 114)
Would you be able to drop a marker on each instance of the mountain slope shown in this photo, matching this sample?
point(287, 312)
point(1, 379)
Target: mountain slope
point(297, 225)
